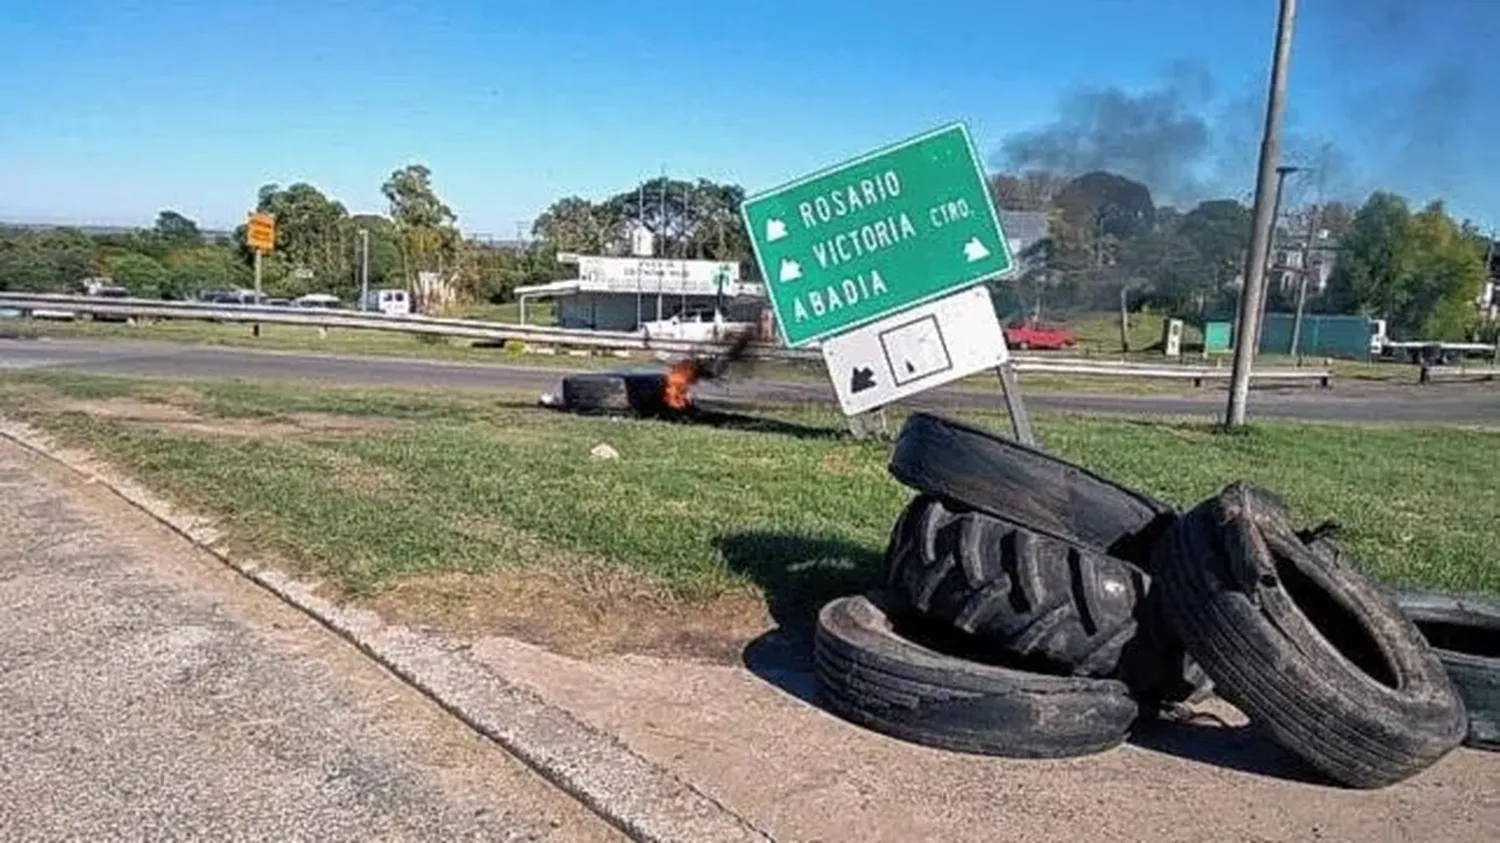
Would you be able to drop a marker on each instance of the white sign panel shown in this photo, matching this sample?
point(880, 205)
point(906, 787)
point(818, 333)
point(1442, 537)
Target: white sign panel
point(915, 350)
point(651, 275)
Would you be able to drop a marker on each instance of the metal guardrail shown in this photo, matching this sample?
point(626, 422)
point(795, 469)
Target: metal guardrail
point(1197, 374)
point(571, 338)
point(1485, 373)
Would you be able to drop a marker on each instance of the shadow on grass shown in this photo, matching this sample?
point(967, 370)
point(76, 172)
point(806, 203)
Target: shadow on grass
point(730, 420)
point(798, 574)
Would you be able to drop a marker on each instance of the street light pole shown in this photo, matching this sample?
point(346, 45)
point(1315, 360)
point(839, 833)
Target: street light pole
point(1255, 261)
point(364, 267)
point(1302, 272)
point(1265, 291)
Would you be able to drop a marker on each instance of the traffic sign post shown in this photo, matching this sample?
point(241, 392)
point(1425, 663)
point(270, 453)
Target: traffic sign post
point(866, 257)
point(877, 235)
point(260, 236)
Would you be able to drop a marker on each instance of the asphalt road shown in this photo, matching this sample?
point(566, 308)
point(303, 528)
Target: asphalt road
point(1446, 403)
point(146, 693)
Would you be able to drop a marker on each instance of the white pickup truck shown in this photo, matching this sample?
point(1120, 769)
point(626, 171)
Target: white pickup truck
point(695, 325)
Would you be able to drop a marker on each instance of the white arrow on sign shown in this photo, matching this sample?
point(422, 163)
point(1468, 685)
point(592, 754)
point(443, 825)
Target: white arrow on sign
point(775, 230)
point(975, 250)
point(790, 270)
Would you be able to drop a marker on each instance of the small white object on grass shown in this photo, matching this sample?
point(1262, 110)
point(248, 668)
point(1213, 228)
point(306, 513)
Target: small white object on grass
point(603, 451)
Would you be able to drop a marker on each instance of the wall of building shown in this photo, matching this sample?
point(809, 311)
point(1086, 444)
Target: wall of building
point(626, 311)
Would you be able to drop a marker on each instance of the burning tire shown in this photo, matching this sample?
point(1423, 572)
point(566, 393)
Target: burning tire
point(1304, 644)
point(876, 678)
point(630, 393)
point(983, 471)
point(1051, 604)
point(1465, 634)
point(595, 394)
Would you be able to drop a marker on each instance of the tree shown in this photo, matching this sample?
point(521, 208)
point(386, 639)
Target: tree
point(1421, 272)
point(311, 235)
point(1448, 274)
point(426, 225)
point(176, 230)
point(1377, 259)
point(574, 224)
point(1219, 230)
point(141, 274)
point(25, 267)
point(193, 271)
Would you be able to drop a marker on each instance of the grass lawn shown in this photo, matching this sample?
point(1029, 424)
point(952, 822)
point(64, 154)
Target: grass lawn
point(371, 490)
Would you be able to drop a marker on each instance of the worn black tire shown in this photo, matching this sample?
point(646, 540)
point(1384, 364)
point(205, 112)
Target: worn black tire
point(595, 393)
point(1465, 634)
point(874, 677)
point(1045, 603)
point(1305, 645)
point(947, 459)
point(631, 393)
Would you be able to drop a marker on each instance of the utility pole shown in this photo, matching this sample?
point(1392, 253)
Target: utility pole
point(661, 213)
point(1265, 291)
point(687, 217)
point(1260, 232)
point(364, 267)
point(1305, 268)
point(640, 223)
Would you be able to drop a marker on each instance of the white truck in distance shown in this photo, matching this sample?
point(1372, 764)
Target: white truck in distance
point(695, 325)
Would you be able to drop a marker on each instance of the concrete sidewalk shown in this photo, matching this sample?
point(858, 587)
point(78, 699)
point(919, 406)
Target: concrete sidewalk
point(751, 740)
point(147, 693)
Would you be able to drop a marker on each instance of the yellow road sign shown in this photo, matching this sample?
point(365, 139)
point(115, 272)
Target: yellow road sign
point(260, 232)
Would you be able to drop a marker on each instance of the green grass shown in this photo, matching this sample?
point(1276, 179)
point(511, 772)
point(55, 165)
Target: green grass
point(1099, 333)
point(788, 503)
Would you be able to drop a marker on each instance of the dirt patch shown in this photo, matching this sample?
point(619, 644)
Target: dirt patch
point(359, 476)
point(329, 424)
point(165, 415)
point(572, 603)
point(131, 410)
point(582, 610)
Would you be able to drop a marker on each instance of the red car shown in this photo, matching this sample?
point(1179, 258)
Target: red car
point(1034, 335)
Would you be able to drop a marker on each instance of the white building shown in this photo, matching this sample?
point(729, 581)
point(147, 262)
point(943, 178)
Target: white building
point(621, 294)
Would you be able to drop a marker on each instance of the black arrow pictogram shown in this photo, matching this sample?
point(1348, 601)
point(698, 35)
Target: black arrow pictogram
point(861, 379)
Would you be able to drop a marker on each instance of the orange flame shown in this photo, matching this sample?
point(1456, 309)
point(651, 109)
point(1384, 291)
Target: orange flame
point(680, 378)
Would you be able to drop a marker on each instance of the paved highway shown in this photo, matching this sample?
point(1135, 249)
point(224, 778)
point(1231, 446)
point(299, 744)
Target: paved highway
point(1449, 403)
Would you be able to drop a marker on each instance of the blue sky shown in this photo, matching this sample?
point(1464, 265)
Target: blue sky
point(114, 109)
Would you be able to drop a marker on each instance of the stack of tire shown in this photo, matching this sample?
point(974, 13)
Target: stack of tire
point(1035, 609)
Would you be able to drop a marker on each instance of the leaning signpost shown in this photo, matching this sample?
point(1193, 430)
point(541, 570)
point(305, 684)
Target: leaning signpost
point(878, 260)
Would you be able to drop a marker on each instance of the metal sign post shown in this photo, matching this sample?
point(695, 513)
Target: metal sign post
point(260, 236)
point(1010, 388)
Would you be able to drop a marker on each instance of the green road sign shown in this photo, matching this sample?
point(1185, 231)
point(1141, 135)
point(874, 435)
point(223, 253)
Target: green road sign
point(877, 235)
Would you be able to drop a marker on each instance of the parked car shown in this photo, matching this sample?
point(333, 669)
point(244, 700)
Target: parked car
point(108, 291)
point(318, 300)
point(1026, 336)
